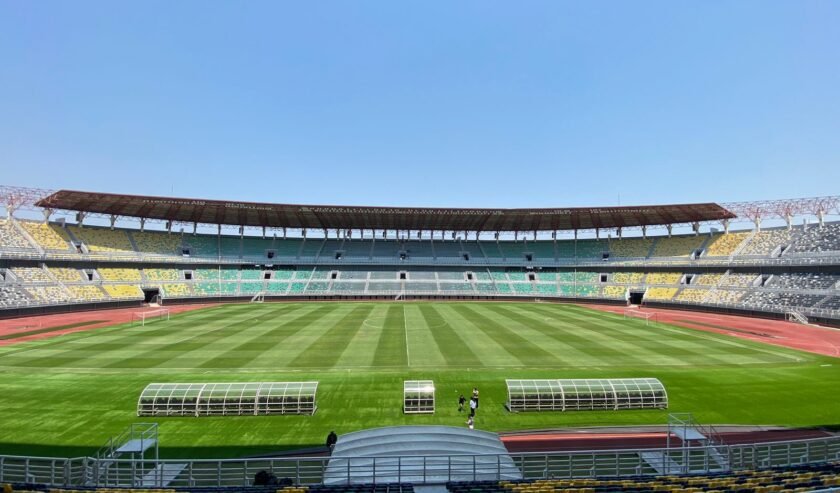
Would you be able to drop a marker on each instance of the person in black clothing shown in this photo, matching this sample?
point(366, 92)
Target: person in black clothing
point(461, 401)
point(331, 439)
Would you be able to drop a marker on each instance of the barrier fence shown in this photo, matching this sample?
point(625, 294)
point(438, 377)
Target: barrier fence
point(86, 471)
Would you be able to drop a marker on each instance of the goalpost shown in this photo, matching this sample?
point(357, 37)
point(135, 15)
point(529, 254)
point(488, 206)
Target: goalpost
point(648, 317)
point(149, 316)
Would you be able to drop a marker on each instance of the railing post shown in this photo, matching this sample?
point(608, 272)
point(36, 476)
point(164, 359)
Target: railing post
point(218, 473)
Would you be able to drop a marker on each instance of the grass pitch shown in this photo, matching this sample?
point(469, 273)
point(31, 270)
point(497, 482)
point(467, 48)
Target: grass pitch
point(67, 395)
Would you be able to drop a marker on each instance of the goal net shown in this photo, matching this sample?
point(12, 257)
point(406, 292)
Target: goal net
point(648, 317)
point(149, 316)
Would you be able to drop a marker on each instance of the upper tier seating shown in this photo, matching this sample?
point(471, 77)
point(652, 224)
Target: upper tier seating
point(10, 237)
point(630, 247)
point(540, 249)
point(585, 249)
point(831, 303)
point(724, 296)
point(48, 236)
point(707, 279)
point(774, 299)
point(102, 240)
point(13, 296)
point(615, 292)
point(356, 248)
point(804, 281)
point(215, 288)
point(512, 249)
point(628, 278)
point(86, 292)
point(766, 241)
point(677, 246)
point(690, 294)
point(816, 239)
point(123, 291)
point(449, 249)
point(311, 247)
point(414, 249)
point(176, 290)
point(48, 294)
point(738, 280)
point(162, 274)
point(65, 274)
point(201, 246)
point(660, 293)
point(120, 275)
point(664, 277)
point(723, 245)
point(257, 248)
point(157, 242)
point(31, 274)
point(586, 277)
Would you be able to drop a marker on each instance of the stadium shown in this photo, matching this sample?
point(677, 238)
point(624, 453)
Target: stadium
point(179, 342)
point(419, 247)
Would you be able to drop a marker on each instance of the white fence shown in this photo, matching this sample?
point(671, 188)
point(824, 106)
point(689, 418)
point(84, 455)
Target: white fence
point(311, 470)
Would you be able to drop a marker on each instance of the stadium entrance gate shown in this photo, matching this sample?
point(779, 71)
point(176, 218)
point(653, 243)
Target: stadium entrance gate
point(635, 297)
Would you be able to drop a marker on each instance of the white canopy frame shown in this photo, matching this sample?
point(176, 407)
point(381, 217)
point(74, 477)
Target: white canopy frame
point(227, 399)
point(418, 397)
point(611, 394)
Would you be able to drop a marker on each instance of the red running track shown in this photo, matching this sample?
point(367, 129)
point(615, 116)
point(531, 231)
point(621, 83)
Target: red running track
point(104, 318)
point(819, 340)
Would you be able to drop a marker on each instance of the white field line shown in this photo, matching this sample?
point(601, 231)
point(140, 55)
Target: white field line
point(405, 329)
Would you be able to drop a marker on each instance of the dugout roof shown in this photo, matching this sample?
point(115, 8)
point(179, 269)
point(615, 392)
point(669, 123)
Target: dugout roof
point(391, 218)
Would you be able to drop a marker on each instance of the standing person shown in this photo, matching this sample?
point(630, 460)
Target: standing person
point(461, 401)
point(331, 439)
point(470, 422)
point(475, 396)
point(473, 407)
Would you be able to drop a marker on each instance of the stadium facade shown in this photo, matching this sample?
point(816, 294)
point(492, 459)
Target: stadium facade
point(54, 256)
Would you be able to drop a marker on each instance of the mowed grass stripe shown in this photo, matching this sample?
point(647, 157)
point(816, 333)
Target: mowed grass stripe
point(122, 338)
point(390, 350)
point(519, 347)
point(454, 350)
point(679, 345)
point(205, 337)
point(625, 343)
point(267, 341)
point(721, 351)
point(326, 350)
point(576, 349)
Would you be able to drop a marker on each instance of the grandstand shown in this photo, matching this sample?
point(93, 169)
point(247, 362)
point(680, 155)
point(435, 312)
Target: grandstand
point(768, 270)
point(302, 253)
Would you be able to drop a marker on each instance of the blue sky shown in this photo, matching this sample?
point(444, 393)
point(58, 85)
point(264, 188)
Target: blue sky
point(486, 104)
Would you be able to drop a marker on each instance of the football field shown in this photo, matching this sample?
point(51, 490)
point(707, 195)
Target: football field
point(66, 395)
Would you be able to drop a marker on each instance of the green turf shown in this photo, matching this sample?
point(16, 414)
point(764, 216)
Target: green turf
point(66, 395)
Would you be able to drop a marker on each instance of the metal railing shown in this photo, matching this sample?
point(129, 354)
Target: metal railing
point(417, 469)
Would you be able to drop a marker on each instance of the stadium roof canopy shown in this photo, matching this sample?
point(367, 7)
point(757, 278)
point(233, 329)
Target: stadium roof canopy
point(391, 218)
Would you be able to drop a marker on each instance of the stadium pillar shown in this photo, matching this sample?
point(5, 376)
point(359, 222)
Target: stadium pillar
point(670, 227)
point(80, 219)
point(195, 228)
point(757, 222)
point(618, 232)
point(696, 228)
point(821, 216)
point(218, 230)
point(47, 213)
point(142, 224)
point(789, 219)
point(726, 226)
point(113, 220)
point(263, 232)
point(644, 231)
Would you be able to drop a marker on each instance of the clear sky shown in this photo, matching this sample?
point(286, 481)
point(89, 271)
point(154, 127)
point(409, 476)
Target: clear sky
point(488, 104)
